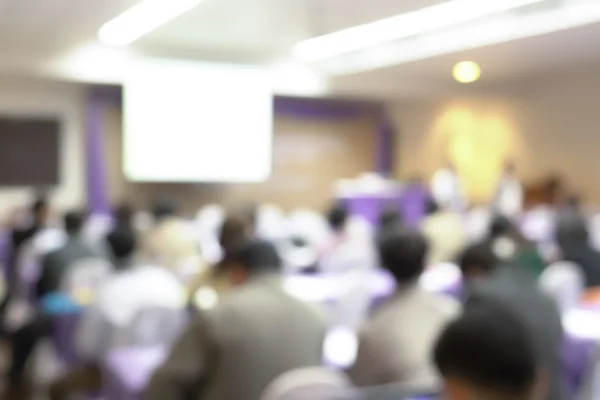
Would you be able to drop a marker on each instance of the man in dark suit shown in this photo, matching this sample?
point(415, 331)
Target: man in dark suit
point(54, 266)
point(488, 281)
point(256, 333)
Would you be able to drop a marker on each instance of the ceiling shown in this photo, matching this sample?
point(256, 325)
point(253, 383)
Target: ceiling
point(34, 33)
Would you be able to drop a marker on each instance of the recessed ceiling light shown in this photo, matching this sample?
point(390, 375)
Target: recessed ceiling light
point(446, 14)
point(466, 72)
point(142, 19)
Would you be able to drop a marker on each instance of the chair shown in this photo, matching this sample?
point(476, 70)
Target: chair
point(537, 225)
point(309, 225)
point(564, 282)
point(138, 348)
point(270, 222)
point(441, 278)
point(317, 383)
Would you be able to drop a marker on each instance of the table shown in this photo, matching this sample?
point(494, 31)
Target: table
point(411, 202)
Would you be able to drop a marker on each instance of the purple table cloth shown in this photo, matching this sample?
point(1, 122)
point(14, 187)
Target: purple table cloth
point(128, 371)
point(411, 203)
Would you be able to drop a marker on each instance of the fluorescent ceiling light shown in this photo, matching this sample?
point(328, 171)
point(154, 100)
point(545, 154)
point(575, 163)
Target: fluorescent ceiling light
point(142, 19)
point(401, 26)
point(498, 29)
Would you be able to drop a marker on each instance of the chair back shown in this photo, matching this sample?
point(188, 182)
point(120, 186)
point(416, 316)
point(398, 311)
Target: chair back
point(317, 383)
point(309, 225)
point(441, 277)
point(537, 224)
point(83, 278)
point(564, 282)
point(270, 222)
point(151, 327)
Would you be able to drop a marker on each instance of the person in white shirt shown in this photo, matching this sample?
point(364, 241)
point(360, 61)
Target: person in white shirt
point(447, 190)
point(118, 300)
point(508, 200)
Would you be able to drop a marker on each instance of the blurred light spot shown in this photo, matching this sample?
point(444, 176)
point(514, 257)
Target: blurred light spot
point(206, 298)
point(340, 347)
point(466, 72)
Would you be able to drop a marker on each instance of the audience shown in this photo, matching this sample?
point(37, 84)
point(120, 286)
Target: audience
point(54, 267)
point(573, 239)
point(445, 233)
point(255, 334)
point(509, 285)
point(487, 353)
point(394, 346)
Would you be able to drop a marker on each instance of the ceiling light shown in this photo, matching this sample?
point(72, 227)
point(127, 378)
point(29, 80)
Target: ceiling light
point(466, 72)
point(142, 19)
point(401, 26)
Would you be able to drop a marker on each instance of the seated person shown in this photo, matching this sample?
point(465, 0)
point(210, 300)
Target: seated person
point(510, 245)
point(488, 281)
point(130, 289)
point(54, 267)
point(349, 249)
point(171, 242)
point(573, 239)
point(487, 353)
point(394, 346)
point(256, 333)
point(445, 232)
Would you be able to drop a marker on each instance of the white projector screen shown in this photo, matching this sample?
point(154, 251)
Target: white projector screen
point(189, 121)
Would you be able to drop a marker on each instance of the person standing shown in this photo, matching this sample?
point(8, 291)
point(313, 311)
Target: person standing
point(508, 199)
point(447, 190)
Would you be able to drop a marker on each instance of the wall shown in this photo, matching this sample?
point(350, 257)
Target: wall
point(547, 125)
point(66, 100)
point(308, 156)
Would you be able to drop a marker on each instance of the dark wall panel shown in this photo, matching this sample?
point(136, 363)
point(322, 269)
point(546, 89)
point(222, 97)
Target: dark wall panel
point(29, 151)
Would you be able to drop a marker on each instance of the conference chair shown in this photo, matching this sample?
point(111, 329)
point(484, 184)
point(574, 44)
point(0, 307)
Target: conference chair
point(270, 223)
point(138, 348)
point(537, 224)
point(83, 278)
point(564, 282)
point(442, 278)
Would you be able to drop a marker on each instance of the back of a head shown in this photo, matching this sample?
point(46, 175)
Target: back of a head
point(74, 221)
point(487, 353)
point(403, 253)
point(163, 209)
point(233, 231)
point(256, 256)
point(122, 243)
point(337, 217)
point(572, 231)
point(39, 209)
point(476, 260)
point(501, 226)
